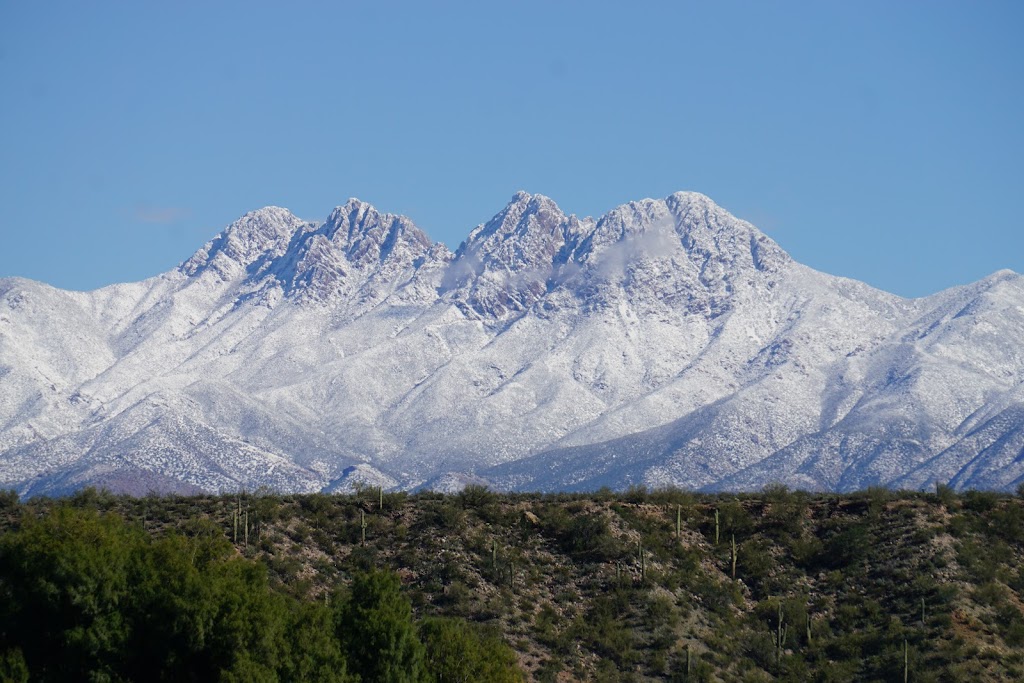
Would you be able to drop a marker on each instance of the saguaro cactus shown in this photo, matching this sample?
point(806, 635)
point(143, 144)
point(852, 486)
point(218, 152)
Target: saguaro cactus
point(780, 638)
point(716, 526)
point(734, 556)
point(679, 522)
point(362, 526)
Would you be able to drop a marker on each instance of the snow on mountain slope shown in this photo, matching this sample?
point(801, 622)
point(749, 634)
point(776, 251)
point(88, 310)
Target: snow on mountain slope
point(666, 342)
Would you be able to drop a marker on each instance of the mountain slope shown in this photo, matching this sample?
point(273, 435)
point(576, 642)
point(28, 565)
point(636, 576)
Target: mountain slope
point(665, 342)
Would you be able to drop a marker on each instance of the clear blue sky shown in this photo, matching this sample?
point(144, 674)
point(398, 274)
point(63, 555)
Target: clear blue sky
point(877, 140)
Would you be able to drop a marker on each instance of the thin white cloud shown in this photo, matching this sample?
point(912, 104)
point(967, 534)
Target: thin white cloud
point(159, 215)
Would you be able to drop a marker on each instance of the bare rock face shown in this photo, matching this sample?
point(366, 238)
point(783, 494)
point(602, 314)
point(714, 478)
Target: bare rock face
point(664, 343)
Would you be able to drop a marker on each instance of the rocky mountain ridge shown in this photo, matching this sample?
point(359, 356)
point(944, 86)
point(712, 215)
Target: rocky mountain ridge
point(666, 342)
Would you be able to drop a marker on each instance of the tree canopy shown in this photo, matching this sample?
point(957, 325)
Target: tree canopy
point(86, 596)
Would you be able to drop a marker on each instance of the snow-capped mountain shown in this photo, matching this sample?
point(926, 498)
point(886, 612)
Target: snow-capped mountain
point(666, 342)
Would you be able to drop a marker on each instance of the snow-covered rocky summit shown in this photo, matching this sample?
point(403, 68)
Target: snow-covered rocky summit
point(357, 256)
point(666, 342)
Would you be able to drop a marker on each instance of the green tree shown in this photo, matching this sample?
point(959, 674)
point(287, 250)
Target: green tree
point(12, 667)
point(173, 613)
point(64, 580)
point(84, 596)
point(374, 624)
point(315, 654)
point(200, 612)
point(458, 653)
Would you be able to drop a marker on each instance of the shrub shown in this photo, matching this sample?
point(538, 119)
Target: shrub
point(8, 500)
point(476, 496)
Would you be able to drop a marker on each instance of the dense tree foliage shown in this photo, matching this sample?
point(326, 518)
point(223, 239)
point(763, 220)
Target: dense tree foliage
point(85, 596)
point(374, 623)
point(458, 653)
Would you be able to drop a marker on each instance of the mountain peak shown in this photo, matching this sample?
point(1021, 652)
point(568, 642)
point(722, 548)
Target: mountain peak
point(270, 212)
point(356, 247)
point(528, 228)
point(524, 214)
point(1005, 274)
point(524, 198)
point(691, 197)
point(357, 226)
point(263, 233)
point(354, 211)
point(356, 204)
